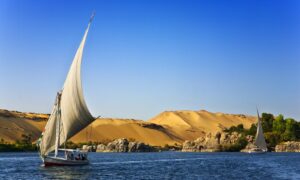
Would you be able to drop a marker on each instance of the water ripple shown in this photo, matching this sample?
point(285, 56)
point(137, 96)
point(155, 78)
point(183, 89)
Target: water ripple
point(166, 165)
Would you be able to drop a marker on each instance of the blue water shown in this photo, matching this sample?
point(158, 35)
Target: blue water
point(166, 165)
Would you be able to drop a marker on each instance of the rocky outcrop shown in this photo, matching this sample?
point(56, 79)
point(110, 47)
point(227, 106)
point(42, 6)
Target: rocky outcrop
point(87, 148)
point(118, 145)
point(289, 146)
point(229, 139)
point(139, 147)
point(250, 144)
point(101, 148)
point(123, 145)
point(211, 143)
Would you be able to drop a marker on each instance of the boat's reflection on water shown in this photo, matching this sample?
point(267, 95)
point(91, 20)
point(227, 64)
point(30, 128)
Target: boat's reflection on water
point(67, 172)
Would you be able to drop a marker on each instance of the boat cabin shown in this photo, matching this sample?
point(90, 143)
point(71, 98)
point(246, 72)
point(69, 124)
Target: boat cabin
point(73, 154)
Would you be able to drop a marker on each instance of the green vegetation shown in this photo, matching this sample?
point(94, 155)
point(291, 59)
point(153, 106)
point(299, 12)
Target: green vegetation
point(278, 124)
point(25, 144)
point(279, 129)
point(167, 147)
point(267, 122)
point(239, 145)
point(276, 130)
point(241, 130)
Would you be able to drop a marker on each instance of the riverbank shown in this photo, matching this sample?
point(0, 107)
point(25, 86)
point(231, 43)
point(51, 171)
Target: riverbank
point(211, 143)
point(17, 148)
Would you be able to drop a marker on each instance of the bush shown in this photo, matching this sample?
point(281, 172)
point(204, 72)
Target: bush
point(290, 130)
point(238, 146)
point(275, 130)
point(272, 139)
point(252, 130)
point(279, 124)
point(239, 128)
point(267, 122)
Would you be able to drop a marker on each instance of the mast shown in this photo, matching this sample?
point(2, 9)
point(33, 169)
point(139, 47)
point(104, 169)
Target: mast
point(58, 122)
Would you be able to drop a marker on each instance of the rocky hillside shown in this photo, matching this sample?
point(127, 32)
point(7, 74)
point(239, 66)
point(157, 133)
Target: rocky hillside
point(167, 128)
point(123, 145)
point(289, 146)
point(211, 142)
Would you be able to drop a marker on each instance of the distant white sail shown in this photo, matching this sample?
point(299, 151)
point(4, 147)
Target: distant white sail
point(259, 138)
point(74, 113)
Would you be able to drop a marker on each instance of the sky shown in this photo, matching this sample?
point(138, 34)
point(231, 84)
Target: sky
point(145, 57)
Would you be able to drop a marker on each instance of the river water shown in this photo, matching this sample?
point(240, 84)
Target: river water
point(165, 165)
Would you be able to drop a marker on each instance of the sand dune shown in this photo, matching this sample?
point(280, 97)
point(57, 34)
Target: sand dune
point(189, 125)
point(167, 128)
point(110, 129)
point(13, 124)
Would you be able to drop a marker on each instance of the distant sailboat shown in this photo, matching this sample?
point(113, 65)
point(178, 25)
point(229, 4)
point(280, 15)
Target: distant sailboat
point(259, 142)
point(69, 116)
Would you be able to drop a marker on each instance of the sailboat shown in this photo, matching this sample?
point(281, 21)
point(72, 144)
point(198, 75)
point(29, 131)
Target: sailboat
point(260, 145)
point(69, 116)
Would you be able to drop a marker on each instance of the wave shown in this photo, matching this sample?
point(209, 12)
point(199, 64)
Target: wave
point(148, 161)
point(17, 158)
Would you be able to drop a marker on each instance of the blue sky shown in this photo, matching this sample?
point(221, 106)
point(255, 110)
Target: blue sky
point(145, 57)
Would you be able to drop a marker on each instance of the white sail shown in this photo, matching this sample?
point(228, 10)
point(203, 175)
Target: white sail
point(74, 113)
point(47, 143)
point(259, 138)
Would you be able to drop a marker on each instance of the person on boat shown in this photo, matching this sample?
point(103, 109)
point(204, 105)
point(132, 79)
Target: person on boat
point(78, 157)
point(72, 156)
point(69, 155)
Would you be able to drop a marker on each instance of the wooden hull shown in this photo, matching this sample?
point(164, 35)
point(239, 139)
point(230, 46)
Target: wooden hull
point(256, 151)
point(58, 161)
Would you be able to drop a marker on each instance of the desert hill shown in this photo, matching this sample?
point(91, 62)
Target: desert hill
point(104, 129)
point(167, 128)
point(13, 124)
point(189, 125)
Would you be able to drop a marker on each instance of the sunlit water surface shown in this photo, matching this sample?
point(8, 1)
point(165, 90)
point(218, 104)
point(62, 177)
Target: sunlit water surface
point(165, 165)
